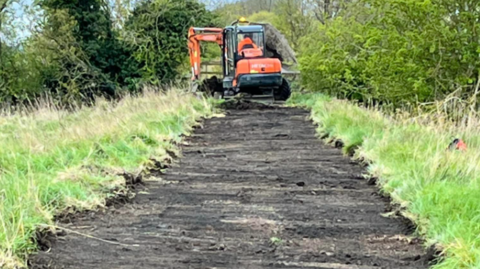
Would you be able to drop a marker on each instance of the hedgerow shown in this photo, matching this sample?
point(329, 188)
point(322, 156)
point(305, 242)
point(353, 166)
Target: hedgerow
point(395, 52)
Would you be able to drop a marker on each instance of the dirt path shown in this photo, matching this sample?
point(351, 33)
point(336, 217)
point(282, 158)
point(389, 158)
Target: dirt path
point(255, 189)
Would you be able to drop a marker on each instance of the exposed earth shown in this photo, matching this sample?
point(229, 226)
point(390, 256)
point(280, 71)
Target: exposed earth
point(255, 189)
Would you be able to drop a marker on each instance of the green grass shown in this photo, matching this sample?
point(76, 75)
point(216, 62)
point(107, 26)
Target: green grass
point(52, 160)
point(438, 190)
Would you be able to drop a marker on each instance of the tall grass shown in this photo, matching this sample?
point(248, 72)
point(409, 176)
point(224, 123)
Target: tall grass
point(53, 160)
point(439, 190)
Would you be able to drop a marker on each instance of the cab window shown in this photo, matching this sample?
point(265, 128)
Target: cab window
point(256, 38)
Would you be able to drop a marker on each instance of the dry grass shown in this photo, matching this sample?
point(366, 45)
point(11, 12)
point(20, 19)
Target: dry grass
point(51, 160)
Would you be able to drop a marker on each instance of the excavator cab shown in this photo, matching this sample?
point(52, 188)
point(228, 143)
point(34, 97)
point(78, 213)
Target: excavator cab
point(251, 44)
point(246, 67)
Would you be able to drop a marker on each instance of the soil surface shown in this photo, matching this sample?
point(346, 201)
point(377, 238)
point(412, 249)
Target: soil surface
point(256, 189)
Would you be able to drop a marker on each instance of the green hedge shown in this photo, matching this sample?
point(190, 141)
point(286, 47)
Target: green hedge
point(395, 51)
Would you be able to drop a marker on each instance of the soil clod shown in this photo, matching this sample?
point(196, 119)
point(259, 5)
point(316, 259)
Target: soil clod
point(242, 104)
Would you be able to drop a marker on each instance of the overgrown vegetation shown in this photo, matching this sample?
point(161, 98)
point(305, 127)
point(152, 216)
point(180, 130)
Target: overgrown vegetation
point(79, 49)
point(438, 189)
point(78, 55)
point(396, 52)
point(158, 34)
point(53, 160)
point(416, 65)
point(390, 53)
point(399, 53)
point(293, 18)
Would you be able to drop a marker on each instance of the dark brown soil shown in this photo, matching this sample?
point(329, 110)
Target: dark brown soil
point(238, 104)
point(255, 189)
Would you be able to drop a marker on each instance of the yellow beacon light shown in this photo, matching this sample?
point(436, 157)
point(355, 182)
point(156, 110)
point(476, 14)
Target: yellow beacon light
point(242, 19)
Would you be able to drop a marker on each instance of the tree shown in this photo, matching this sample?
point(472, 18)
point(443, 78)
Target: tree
point(265, 17)
point(3, 57)
point(19, 78)
point(325, 10)
point(157, 32)
point(229, 11)
point(295, 20)
point(396, 51)
point(93, 61)
point(121, 11)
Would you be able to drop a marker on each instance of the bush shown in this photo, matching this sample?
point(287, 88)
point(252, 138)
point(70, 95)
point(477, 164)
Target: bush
point(395, 51)
point(91, 58)
point(78, 54)
point(158, 34)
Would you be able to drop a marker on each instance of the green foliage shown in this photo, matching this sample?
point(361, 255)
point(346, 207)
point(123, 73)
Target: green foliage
point(265, 17)
point(94, 60)
point(79, 51)
point(292, 18)
point(159, 30)
point(233, 10)
point(17, 76)
point(295, 20)
point(21, 75)
point(395, 51)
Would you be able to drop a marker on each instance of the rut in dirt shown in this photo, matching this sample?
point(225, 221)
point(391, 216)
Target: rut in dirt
point(256, 189)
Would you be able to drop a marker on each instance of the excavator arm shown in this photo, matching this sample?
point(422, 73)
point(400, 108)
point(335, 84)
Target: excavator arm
point(197, 35)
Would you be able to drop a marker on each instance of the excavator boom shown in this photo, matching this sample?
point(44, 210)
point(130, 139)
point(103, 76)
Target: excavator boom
point(197, 35)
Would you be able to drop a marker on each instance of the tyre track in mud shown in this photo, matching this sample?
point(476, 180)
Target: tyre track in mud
point(255, 189)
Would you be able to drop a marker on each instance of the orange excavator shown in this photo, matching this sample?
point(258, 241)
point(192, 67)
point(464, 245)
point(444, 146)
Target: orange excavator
point(245, 65)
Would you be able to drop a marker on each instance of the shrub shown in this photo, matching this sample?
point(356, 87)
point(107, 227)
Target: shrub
point(395, 51)
point(158, 34)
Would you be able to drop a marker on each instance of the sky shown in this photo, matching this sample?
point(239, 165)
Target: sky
point(21, 19)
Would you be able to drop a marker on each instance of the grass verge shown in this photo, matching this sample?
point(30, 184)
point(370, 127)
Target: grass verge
point(438, 190)
point(52, 160)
